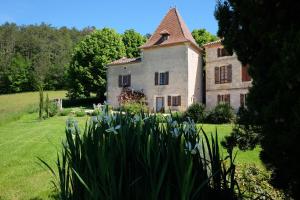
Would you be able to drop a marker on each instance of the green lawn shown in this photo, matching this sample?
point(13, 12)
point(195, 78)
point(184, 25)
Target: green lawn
point(23, 138)
point(13, 106)
point(22, 141)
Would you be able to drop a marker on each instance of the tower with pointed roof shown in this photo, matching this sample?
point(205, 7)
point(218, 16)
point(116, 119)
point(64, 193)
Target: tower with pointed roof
point(169, 71)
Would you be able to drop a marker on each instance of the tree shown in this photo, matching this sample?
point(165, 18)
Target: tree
point(34, 54)
point(266, 35)
point(202, 36)
point(132, 41)
point(87, 71)
point(19, 74)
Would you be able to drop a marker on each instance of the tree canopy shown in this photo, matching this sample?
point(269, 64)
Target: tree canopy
point(35, 54)
point(87, 71)
point(266, 35)
point(132, 41)
point(202, 36)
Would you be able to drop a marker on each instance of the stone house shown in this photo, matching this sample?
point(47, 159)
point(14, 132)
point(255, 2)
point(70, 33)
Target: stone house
point(227, 80)
point(169, 72)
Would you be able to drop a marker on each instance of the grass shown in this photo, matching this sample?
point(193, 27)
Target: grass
point(23, 138)
point(13, 106)
point(22, 141)
point(247, 157)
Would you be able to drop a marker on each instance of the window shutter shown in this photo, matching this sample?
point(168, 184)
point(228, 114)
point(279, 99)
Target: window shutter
point(167, 78)
point(129, 80)
point(217, 75)
point(219, 98)
point(245, 74)
point(169, 100)
point(120, 81)
point(227, 98)
point(156, 78)
point(179, 100)
point(218, 52)
point(229, 73)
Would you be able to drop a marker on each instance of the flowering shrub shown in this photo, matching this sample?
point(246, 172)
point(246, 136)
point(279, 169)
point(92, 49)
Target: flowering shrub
point(129, 95)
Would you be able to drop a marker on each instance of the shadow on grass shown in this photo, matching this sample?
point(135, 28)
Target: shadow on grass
point(53, 196)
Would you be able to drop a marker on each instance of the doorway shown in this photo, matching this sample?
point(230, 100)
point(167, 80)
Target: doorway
point(160, 104)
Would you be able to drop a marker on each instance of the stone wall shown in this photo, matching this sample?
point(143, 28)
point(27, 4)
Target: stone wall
point(235, 88)
point(175, 60)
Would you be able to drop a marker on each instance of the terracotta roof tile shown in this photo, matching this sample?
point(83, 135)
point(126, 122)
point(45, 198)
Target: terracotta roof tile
point(214, 42)
point(125, 60)
point(174, 25)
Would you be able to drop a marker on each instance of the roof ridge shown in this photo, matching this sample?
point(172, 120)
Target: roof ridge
point(180, 24)
point(158, 25)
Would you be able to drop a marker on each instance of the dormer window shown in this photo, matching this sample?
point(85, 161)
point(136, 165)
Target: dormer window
point(165, 37)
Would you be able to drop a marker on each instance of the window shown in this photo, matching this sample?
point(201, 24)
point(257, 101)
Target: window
point(164, 37)
point(124, 80)
point(243, 98)
point(223, 74)
point(245, 74)
point(161, 78)
point(222, 52)
point(174, 100)
point(224, 98)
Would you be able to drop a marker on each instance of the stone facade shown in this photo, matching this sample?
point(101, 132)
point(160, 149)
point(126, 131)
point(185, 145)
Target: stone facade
point(183, 63)
point(173, 52)
point(235, 88)
point(169, 71)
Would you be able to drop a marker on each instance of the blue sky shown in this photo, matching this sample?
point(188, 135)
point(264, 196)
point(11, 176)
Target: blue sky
point(143, 16)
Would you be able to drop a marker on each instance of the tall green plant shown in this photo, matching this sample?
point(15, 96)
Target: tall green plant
point(123, 156)
point(47, 104)
point(41, 103)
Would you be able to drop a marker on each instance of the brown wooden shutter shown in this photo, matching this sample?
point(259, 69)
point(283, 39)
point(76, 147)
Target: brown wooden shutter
point(120, 81)
point(218, 52)
point(156, 78)
point(179, 101)
point(219, 98)
point(167, 78)
point(227, 98)
point(129, 80)
point(244, 73)
point(217, 75)
point(169, 100)
point(229, 73)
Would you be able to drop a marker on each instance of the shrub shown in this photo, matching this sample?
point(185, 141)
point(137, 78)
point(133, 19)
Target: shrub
point(53, 109)
point(196, 112)
point(178, 116)
point(136, 157)
point(222, 113)
point(244, 135)
point(80, 113)
point(129, 95)
point(134, 108)
point(87, 102)
point(254, 183)
point(65, 112)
